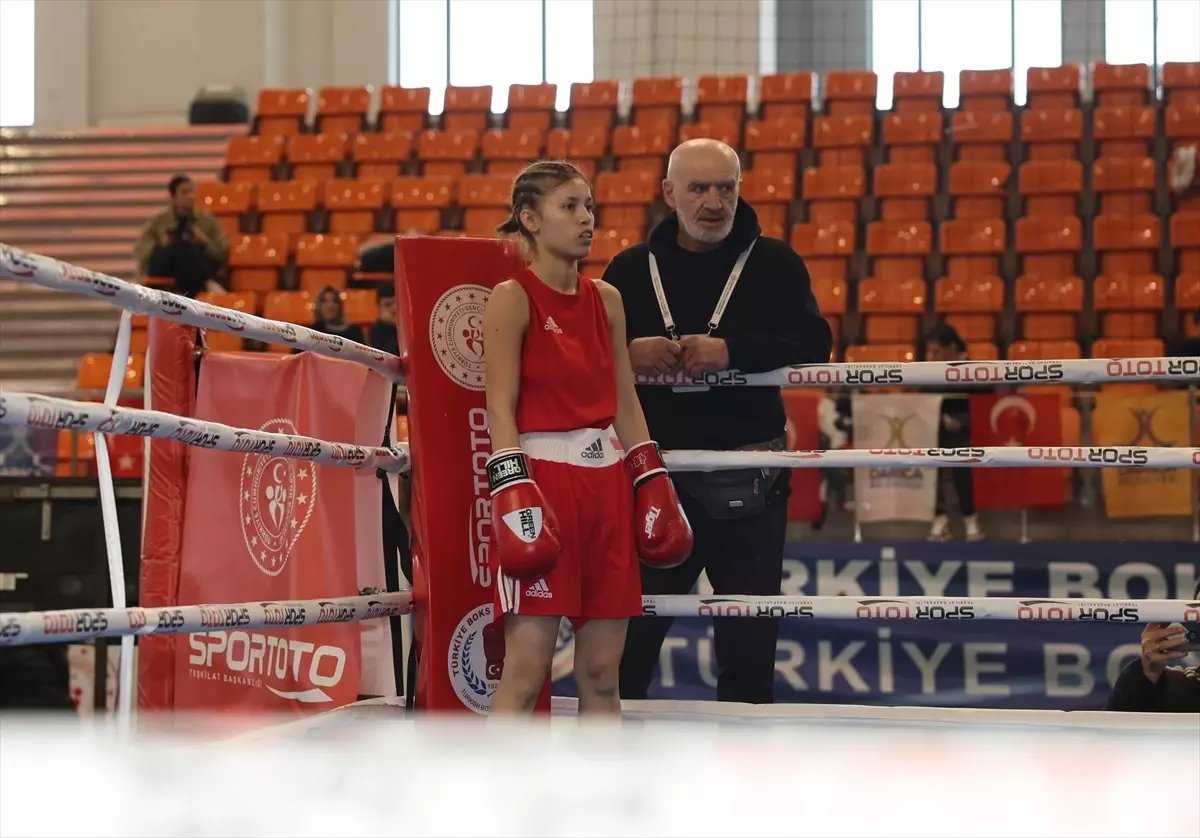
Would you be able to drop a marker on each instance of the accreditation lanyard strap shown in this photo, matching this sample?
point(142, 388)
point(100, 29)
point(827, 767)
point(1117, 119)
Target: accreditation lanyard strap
point(718, 312)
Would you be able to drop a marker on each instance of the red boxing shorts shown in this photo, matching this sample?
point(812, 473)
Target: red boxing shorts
point(597, 576)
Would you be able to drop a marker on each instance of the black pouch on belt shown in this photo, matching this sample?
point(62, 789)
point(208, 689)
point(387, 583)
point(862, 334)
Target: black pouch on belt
point(731, 493)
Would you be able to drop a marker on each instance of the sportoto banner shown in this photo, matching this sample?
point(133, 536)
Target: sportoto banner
point(960, 663)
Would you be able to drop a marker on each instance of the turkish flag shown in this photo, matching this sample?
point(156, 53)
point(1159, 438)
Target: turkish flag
point(1018, 419)
point(803, 434)
point(261, 527)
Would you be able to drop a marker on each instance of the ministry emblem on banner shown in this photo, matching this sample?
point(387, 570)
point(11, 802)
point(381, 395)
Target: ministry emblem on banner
point(895, 420)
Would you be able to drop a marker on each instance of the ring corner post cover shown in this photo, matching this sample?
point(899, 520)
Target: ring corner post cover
point(442, 287)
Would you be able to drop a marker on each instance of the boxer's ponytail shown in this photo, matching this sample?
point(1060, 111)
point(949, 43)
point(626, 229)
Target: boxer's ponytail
point(529, 187)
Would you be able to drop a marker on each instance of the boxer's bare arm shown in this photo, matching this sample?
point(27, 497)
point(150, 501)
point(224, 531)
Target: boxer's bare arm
point(504, 323)
point(630, 422)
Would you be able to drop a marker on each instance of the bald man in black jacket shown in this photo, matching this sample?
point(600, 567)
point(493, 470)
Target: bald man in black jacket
point(712, 243)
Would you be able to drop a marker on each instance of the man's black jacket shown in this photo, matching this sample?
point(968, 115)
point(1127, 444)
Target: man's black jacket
point(771, 321)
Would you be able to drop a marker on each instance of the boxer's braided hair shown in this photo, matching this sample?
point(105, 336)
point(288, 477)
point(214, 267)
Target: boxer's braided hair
point(529, 187)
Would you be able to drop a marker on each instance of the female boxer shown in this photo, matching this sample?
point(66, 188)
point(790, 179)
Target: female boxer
point(567, 528)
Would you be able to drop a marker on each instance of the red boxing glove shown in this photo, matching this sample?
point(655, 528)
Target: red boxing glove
point(664, 536)
point(522, 524)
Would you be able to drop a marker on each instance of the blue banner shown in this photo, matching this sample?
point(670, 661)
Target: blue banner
point(947, 663)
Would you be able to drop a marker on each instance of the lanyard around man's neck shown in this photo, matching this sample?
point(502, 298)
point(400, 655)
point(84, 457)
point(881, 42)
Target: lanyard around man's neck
point(722, 303)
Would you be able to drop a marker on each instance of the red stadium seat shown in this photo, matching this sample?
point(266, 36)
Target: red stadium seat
point(531, 107)
point(850, 92)
point(722, 98)
point(287, 206)
point(354, 206)
point(281, 111)
point(913, 137)
point(979, 189)
point(316, 156)
point(255, 261)
point(1054, 87)
point(381, 156)
point(1125, 85)
point(918, 92)
point(466, 108)
point(404, 110)
point(343, 110)
point(985, 91)
point(325, 261)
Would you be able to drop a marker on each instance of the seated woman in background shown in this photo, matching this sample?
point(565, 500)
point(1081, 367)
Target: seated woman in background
point(331, 316)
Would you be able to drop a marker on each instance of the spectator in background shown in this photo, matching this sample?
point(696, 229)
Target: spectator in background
point(1148, 684)
point(183, 243)
point(331, 316)
point(383, 333)
point(944, 344)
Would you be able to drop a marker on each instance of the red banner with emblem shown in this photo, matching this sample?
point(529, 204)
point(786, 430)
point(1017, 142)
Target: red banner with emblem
point(1018, 419)
point(443, 285)
point(262, 527)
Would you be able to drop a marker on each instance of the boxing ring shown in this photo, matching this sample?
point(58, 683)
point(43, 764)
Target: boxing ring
point(772, 770)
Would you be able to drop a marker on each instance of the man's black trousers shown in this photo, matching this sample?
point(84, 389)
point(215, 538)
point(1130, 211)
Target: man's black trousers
point(741, 556)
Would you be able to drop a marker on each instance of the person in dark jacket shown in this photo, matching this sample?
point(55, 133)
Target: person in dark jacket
point(732, 299)
point(943, 343)
point(1149, 683)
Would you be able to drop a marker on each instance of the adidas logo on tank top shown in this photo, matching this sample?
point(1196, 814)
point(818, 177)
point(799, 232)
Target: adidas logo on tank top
point(539, 590)
point(551, 326)
point(595, 451)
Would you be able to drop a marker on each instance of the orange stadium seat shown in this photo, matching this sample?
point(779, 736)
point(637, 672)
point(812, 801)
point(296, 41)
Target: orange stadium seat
point(286, 207)
point(343, 110)
point(913, 137)
point(889, 296)
point(1126, 244)
point(508, 150)
point(227, 201)
point(361, 306)
point(1051, 187)
point(905, 190)
point(1181, 82)
point(1187, 303)
point(381, 155)
point(1123, 85)
point(466, 108)
point(605, 245)
point(623, 199)
point(880, 354)
point(316, 156)
point(354, 206)
point(95, 367)
point(584, 147)
point(485, 201)
point(1043, 350)
point(972, 247)
point(979, 189)
point(776, 143)
point(1182, 123)
point(786, 95)
point(833, 238)
point(1185, 238)
point(255, 261)
point(982, 91)
point(831, 297)
point(1131, 304)
point(850, 92)
point(1054, 87)
point(832, 193)
point(245, 301)
point(728, 132)
point(1050, 306)
point(403, 110)
point(981, 136)
point(447, 153)
point(1123, 130)
point(656, 101)
point(918, 92)
point(973, 305)
point(643, 148)
point(281, 111)
point(253, 158)
point(722, 98)
point(771, 192)
point(898, 249)
point(1052, 133)
point(843, 140)
point(594, 105)
point(1128, 348)
point(420, 201)
point(1049, 246)
point(1124, 185)
point(531, 107)
point(325, 261)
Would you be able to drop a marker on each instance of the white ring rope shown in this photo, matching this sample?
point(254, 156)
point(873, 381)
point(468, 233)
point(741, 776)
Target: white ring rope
point(30, 627)
point(997, 457)
point(64, 414)
point(51, 273)
point(948, 373)
point(17, 629)
point(41, 270)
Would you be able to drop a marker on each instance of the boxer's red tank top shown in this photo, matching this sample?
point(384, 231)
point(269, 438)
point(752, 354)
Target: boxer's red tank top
point(567, 377)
